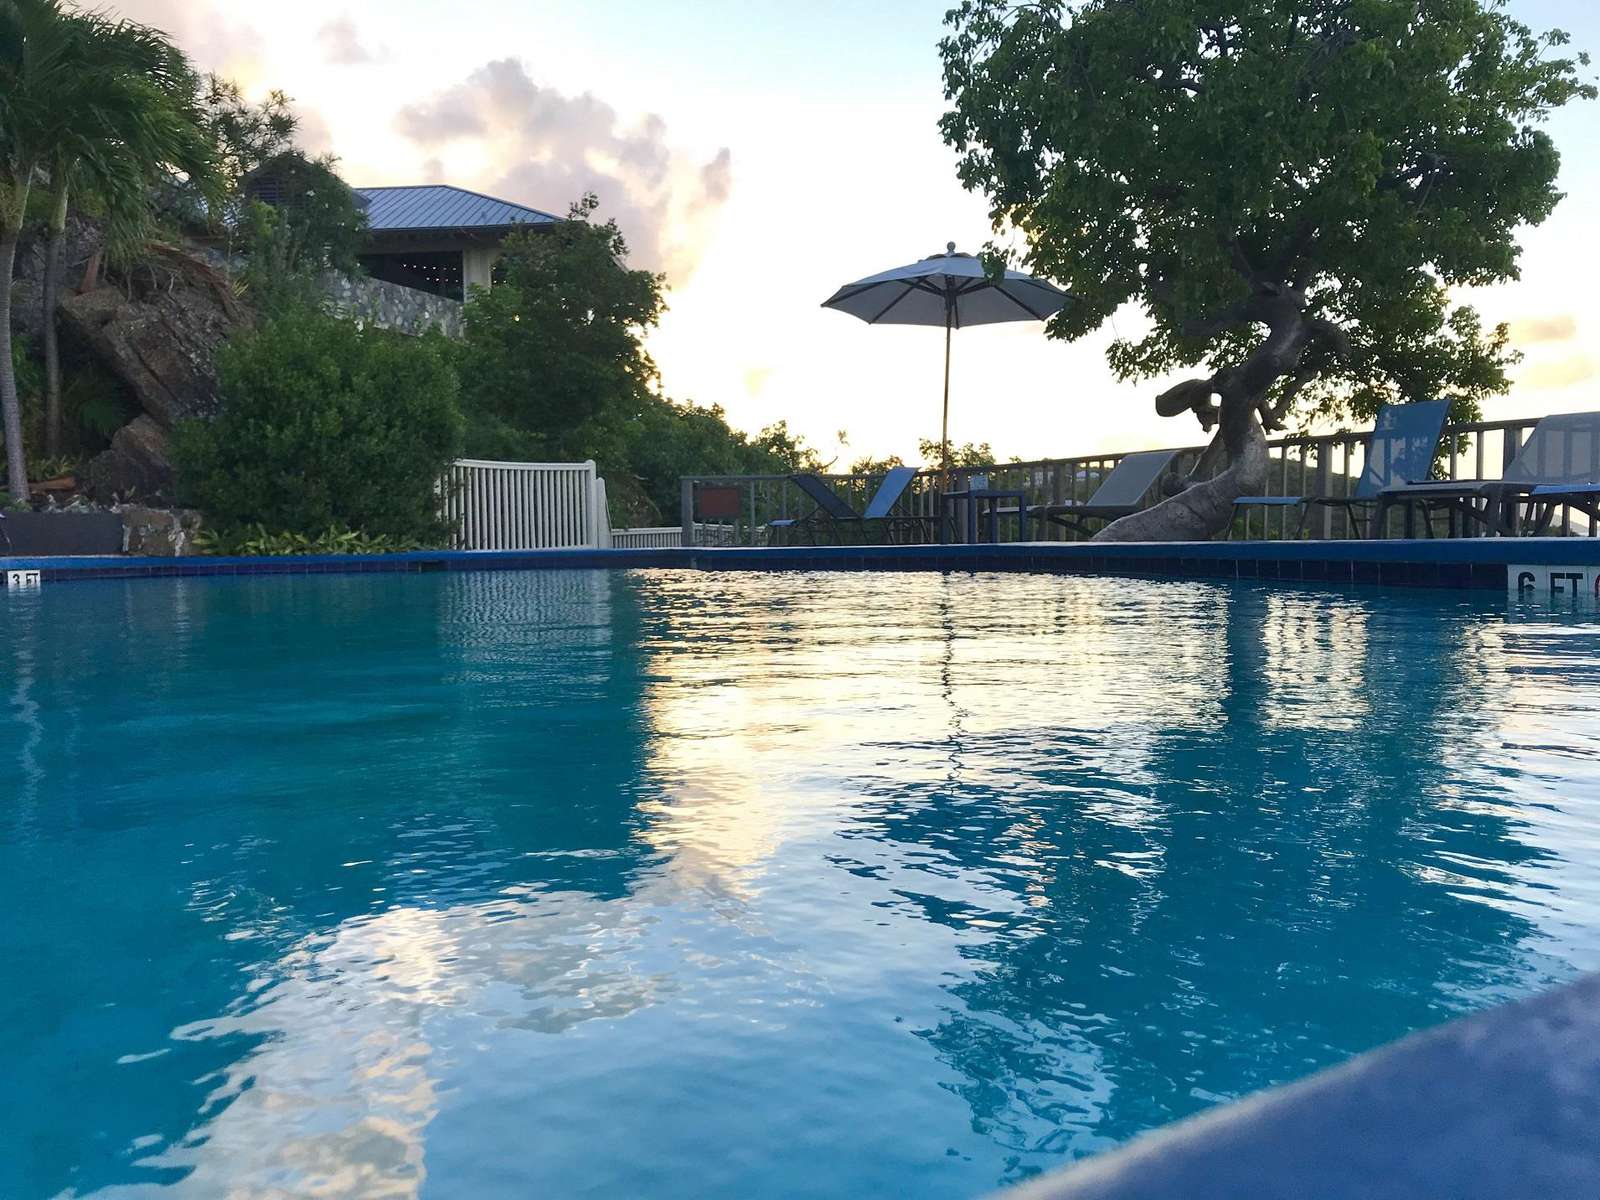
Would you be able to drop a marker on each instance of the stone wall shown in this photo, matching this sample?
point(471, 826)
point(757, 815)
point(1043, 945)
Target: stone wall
point(159, 532)
point(373, 302)
point(391, 306)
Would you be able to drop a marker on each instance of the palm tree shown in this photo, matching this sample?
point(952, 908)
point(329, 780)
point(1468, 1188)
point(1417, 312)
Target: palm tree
point(137, 118)
point(84, 102)
point(34, 43)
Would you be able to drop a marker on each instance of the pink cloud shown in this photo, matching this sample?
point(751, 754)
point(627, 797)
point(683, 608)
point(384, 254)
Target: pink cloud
point(549, 148)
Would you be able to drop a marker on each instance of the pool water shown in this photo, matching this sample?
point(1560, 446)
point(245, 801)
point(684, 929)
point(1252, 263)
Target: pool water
point(676, 884)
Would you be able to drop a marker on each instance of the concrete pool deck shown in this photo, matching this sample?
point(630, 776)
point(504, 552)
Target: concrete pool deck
point(1504, 1105)
point(1561, 566)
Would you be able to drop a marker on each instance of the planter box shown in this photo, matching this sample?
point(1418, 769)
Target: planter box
point(27, 534)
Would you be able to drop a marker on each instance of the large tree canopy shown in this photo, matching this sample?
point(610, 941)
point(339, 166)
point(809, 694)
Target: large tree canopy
point(1287, 188)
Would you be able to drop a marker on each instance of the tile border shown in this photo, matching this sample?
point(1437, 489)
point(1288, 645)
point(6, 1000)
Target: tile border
point(1455, 564)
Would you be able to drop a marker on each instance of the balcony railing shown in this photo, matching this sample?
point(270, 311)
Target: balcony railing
point(1322, 465)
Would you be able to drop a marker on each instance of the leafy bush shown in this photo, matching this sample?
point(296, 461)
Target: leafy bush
point(256, 541)
point(323, 425)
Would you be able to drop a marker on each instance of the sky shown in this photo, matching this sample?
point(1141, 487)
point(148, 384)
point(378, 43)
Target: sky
point(761, 154)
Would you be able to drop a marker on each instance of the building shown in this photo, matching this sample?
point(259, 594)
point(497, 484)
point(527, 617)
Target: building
point(439, 239)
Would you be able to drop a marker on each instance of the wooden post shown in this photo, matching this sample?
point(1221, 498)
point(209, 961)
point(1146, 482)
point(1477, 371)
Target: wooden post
point(686, 509)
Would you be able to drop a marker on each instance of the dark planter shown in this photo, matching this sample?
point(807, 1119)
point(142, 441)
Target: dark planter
point(29, 534)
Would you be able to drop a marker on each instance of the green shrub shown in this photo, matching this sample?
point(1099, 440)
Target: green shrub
point(323, 425)
point(255, 540)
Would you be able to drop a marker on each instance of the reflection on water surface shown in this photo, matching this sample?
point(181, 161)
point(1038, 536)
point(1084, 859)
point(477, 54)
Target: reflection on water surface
point(683, 884)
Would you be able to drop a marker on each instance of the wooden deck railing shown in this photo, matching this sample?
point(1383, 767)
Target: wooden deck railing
point(1322, 465)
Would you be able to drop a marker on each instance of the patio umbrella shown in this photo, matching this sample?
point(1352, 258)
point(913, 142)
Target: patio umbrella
point(952, 290)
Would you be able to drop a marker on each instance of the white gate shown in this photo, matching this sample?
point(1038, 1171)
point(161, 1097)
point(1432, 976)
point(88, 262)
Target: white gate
point(525, 506)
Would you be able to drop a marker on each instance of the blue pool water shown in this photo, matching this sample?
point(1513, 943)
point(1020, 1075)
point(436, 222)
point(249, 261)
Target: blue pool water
point(687, 885)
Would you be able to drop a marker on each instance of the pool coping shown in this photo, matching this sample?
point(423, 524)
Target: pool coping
point(1501, 1105)
point(1443, 563)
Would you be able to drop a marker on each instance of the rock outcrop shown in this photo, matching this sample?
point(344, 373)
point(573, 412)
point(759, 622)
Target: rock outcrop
point(79, 250)
point(159, 332)
point(138, 462)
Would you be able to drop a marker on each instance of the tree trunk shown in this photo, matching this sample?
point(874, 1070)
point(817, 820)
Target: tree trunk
point(1205, 508)
point(10, 409)
point(49, 293)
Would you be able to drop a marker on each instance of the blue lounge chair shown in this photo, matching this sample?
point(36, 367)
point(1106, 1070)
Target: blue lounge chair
point(1559, 464)
point(1400, 450)
point(831, 512)
point(1120, 493)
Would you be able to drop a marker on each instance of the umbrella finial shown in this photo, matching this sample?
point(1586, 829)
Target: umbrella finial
point(949, 247)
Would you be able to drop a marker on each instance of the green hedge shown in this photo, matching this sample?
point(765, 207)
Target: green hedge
point(324, 425)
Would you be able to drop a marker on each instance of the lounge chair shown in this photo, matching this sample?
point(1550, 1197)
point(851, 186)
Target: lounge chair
point(832, 512)
point(1120, 493)
point(1558, 464)
point(1400, 450)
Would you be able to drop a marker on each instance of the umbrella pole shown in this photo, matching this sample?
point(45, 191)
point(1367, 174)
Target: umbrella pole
point(944, 429)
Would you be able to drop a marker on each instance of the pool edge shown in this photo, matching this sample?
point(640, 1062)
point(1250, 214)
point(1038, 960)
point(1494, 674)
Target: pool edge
point(1477, 563)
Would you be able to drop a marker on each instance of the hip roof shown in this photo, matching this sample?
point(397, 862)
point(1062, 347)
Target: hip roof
point(440, 206)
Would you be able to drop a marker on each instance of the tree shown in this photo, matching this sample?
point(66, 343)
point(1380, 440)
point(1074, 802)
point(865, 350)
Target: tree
point(669, 439)
point(1288, 190)
point(313, 225)
point(136, 122)
point(555, 365)
point(34, 45)
point(242, 136)
point(554, 368)
point(931, 450)
point(246, 135)
point(290, 216)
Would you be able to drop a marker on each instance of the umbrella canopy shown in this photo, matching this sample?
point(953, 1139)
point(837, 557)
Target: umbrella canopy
point(951, 290)
point(948, 288)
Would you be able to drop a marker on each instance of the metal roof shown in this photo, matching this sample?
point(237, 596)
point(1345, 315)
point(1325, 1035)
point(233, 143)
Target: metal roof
point(440, 206)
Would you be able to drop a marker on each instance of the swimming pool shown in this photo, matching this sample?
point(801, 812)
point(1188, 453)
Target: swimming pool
point(684, 884)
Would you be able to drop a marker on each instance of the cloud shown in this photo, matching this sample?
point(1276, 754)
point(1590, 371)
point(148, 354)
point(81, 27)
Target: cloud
point(342, 44)
point(1532, 331)
point(222, 44)
point(214, 41)
point(1563, 372)
point(546, 149)
point(312, 134)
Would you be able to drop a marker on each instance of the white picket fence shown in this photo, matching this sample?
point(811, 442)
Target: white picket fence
point(525, 506)
point(647, 537)
point(655, 537)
